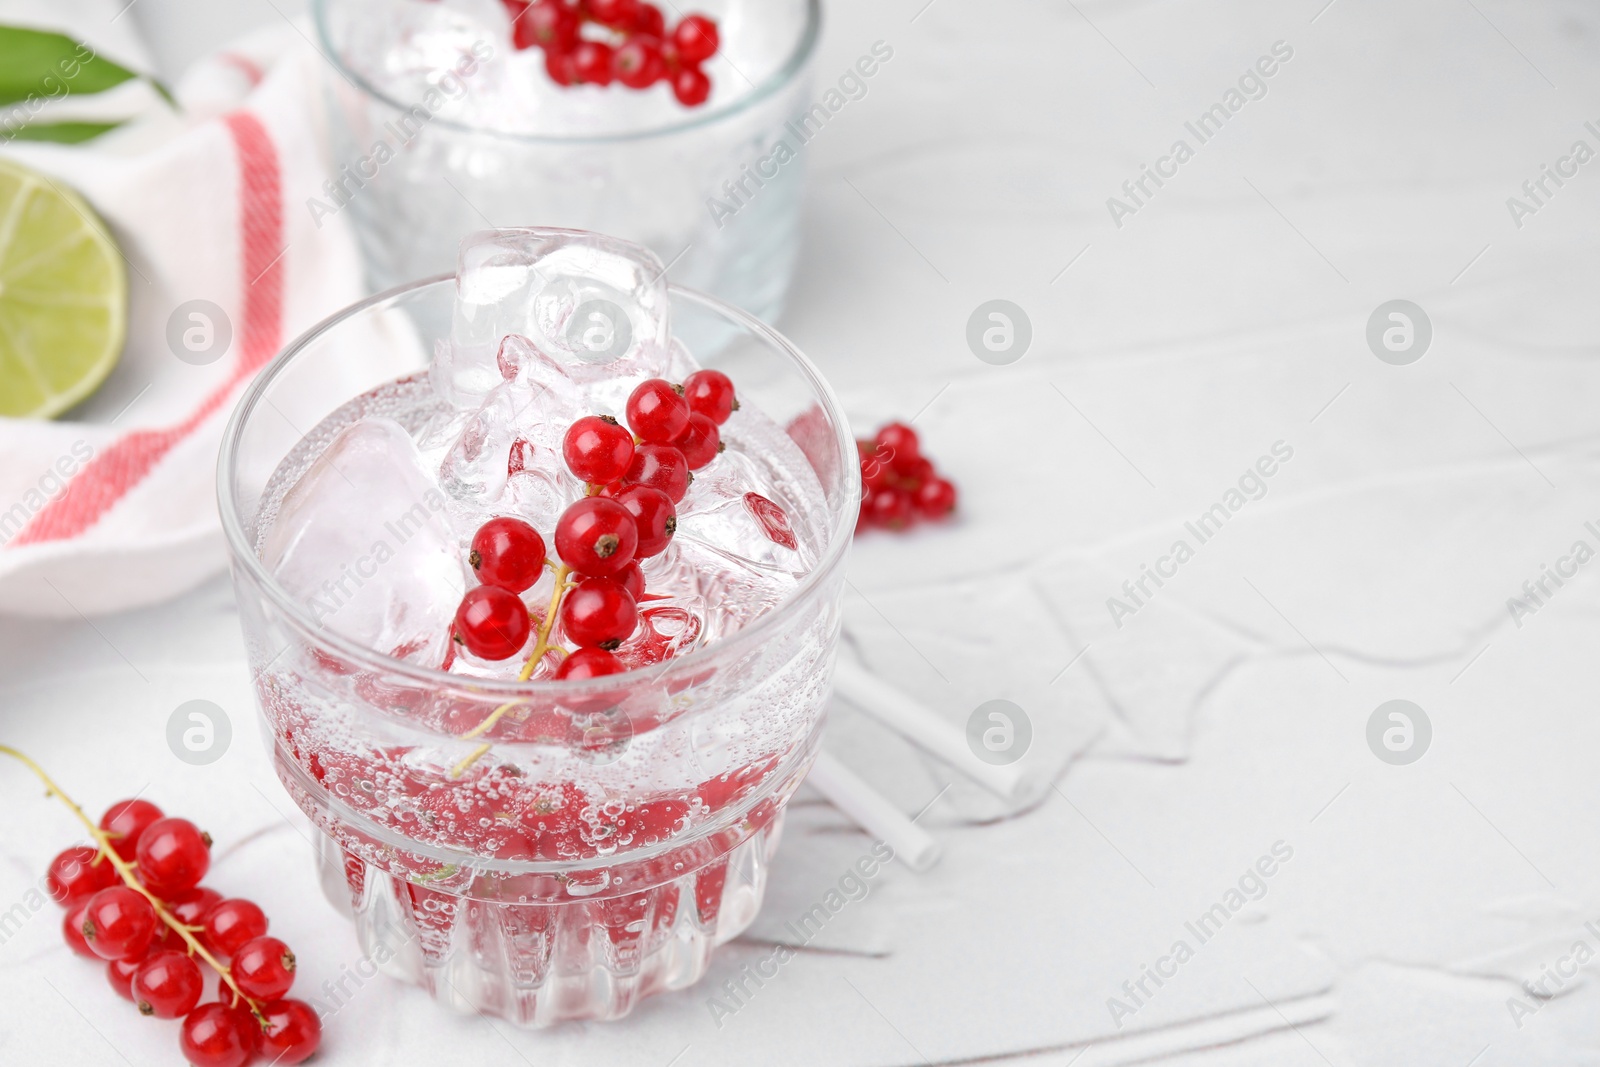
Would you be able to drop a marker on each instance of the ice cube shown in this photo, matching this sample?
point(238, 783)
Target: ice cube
point(505, 458)
point(363, 540)
point(407, 46)
point(743, 502)
point(595, 306)
point(507, 461)
point(716, 592)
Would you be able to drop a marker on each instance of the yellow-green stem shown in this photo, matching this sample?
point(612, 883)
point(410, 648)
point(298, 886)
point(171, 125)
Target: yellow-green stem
point(540, 647)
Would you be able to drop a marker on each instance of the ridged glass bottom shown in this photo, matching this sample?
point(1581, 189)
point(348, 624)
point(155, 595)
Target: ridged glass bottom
point(541, 964)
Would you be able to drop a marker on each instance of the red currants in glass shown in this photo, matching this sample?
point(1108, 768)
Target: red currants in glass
point(710, 393)
point(492, 623)
point(598, 613)
point(596, 537)
point(657, 411)
point(597, 449)
point(508, 553)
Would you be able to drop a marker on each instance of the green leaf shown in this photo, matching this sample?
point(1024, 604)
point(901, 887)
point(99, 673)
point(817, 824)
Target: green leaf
point(59, 132)
point(49, 66)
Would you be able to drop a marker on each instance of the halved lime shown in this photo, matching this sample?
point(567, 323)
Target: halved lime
point(63, 296)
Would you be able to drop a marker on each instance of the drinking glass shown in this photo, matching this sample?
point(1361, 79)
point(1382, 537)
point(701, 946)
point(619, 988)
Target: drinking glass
point(701, 188)
point(678, 772)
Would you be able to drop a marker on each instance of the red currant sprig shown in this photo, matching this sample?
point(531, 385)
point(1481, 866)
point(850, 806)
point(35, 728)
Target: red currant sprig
point(136, 888)
point(632, 484)
point(900, 485)
point(629, 44)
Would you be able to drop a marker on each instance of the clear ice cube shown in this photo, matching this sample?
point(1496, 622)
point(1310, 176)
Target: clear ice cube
point(505, 458)
point(363, 539)
point(406, 46)
point(740, 506)
point(594, 306)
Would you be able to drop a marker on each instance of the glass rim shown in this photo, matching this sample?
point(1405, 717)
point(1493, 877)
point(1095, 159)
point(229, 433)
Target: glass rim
point(243, 553)
point(791, 67)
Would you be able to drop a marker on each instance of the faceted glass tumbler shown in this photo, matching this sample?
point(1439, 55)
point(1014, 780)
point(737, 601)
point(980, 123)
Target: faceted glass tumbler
point(652, 800)
point(705, 190)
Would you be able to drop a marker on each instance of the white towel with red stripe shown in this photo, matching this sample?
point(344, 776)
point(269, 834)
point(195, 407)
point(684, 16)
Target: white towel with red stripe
point(113, 506)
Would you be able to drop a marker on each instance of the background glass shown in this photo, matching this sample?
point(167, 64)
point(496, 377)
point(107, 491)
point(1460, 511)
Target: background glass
point(651, 185)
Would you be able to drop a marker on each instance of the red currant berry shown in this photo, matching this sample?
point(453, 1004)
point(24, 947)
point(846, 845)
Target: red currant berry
point(899, 441)
point(191, 908)
point(591, 63)
point(549, 24)
point(215, 1035)
point(293, 1032)
point(264, 968)
point(691, 86)
point(912, 472)
point(492, 623)
point(521, 32)
point(596, 537)
point(125, 821)
point(588, 663)
point(507, 553)
point(72, 930)
point(618, 14)
point(876, 471)
point(710, 393)
point(700, 443)
point(889, 508)
point(657, 411)
point(660, 467)
point(167, 985)
point(173, 857)
point(638, 64)
point(78, 874)
point(650, 21)
point(598, 613)
point(696, 38)
point(561, 66)
point(119, 923)
point(233, 922)
point(653, 516)
point(935, 498)
point(597, 449)
point(631, 578)
point(120, 974)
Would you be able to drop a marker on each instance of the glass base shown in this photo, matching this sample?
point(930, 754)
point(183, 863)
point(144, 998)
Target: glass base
point(540, 964)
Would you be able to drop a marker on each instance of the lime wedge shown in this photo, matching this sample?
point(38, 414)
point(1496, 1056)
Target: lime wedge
point(63, 296)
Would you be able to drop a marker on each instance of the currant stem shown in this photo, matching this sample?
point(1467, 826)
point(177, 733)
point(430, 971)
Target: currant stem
point(540, 647)
point(125, 869)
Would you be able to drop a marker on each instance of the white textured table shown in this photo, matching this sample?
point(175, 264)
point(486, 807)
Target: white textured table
point(1221, 731)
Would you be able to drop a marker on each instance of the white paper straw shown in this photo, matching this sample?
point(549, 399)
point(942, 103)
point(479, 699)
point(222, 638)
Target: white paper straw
point(912, 845)
point(922, 727)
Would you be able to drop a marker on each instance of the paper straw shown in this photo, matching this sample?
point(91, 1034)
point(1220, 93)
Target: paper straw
point(912, 845)
point(922, 727)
